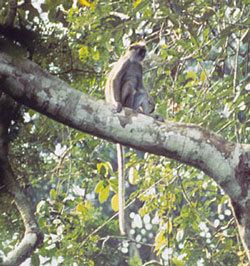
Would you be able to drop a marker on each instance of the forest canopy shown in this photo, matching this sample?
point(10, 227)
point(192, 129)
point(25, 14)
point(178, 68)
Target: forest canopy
point(187, 179)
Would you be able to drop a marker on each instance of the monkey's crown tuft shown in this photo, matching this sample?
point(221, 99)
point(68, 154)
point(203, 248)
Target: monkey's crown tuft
point(138, 45)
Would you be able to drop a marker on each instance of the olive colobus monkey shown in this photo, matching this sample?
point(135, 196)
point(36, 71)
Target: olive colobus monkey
point(124, 88)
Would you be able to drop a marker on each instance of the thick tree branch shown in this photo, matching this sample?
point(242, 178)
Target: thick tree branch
point(30, 85)
point(227, 163)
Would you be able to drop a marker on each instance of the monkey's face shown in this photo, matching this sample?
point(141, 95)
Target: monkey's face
point(138, 52)
point(141, 53)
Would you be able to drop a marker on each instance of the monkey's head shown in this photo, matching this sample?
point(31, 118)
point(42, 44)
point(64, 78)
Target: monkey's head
point(137, 51)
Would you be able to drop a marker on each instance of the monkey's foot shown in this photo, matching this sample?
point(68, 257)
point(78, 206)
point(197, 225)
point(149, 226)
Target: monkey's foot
point(117, 107)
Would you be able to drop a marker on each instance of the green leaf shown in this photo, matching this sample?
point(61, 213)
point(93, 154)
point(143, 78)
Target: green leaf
point(206, 33)
point(133, 176)
point(96, 55)
point(136, 3)
point(83, 53)
point(80, 208)
point(115, 203)
point(177, 262)
point(40, 205)
point(169, 226)
point(104, 166)
point(99, 186)
point(53, 194)
point(113, 181)
point(203, 76)
point(191, 75)
point(85, 3)
point(104, 194)
point(160, 241)
point(83, 208)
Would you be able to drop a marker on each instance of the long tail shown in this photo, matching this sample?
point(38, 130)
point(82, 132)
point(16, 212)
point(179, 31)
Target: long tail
point(121, 188)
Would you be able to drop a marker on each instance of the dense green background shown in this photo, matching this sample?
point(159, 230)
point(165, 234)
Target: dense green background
point(197, 70)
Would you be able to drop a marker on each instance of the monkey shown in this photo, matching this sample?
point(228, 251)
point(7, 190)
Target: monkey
point(124, 88)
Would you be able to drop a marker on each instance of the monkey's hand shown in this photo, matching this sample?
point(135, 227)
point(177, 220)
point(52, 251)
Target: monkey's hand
point(117, 107)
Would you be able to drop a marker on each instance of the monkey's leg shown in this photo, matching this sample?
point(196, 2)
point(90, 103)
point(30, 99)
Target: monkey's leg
point(117, 107)
point(124, 100)
point(144, 104)
point(141, 102)
point(127, 95)
point(121, 188)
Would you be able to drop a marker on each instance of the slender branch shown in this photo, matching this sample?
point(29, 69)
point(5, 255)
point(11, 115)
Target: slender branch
point(152, 262)
point(32, 237)
point(78, 70)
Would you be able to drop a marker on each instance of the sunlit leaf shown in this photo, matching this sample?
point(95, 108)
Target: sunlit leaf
point(90, 4)
point(113, 181)
point(169, 226)
point(103, 194)
point(179, 235)
point(83, 207)
point(115, 203)
point(80, 208)
point(133, 176)
point(85, 3)
point(99, 186)
point(83, 53)
point(53, 194)
point(191, 75)
point(203, 76)
point(143, 211)
point(177, 262)
point(160, 241)
point(136, 3)
point(104, 165)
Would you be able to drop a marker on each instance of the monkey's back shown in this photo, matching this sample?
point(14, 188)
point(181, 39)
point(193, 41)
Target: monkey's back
point(123, 71)
point(133, 74)
point(115, 73)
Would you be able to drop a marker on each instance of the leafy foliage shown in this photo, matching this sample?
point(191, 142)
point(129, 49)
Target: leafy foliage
point(197, 70)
